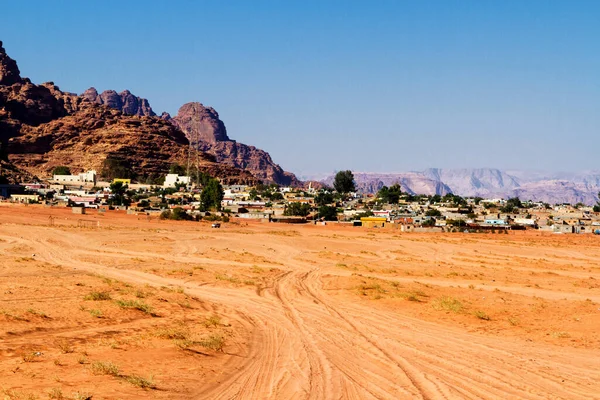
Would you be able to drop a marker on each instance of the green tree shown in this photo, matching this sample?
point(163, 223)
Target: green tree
point(433, 212)
point(597, 205)
point(114, 168)
point(428, 222)
point(323, 198)
point(275, 196)
point(253, 195)
point(454, 199)
point(297, 209)
point(390, 195)
point(118, 190)
point(61, 170)
point(212, 195)
point(511, 204)
point(328, 213)
point(344, 182)
point(177, 169)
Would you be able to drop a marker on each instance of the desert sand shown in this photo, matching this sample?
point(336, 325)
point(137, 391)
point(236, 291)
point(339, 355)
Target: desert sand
point(126, 307)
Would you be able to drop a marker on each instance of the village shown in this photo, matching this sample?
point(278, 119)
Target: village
point(179, 197)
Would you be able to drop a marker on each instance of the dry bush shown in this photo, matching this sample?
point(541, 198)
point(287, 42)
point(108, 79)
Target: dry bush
point(104, 368)
point(213, 320)
point(64, 346)
point(482, 315)
point(55, 393)
point(215, 342)
point(446, 303)
point(82, 396)
point(141, 382)
point(135, 304)
point(173, 333)
point(97, 296)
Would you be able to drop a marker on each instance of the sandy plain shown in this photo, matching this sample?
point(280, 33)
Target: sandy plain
point(139, 308)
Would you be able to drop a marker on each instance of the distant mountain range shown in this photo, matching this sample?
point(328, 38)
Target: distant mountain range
point(559, 187)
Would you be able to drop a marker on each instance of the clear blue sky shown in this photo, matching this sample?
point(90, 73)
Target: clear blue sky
point(329, 85)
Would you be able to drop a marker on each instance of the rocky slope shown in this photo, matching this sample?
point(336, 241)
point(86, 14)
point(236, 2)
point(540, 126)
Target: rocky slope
point(206, 132)
point(42, 127)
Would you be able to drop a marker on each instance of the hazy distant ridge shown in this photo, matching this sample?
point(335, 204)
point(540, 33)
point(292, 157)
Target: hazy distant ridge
point(559, 187)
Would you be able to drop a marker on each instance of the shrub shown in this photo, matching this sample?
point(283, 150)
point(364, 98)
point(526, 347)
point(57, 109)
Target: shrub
point(56, 394)
point(141, 382)
point(64, 346)
point(447, 304)
point(165, 214)
point(82, 396)
point(214, 342)
point(104, 368)
point(213, 320)
point(135, 304)
point(482, 315)
point(179, 214)
point(172, 333)
point(176, 214)
point(97, 296)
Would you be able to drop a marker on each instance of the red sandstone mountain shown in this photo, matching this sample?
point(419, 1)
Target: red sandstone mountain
point(42, 127)
point(206, 132)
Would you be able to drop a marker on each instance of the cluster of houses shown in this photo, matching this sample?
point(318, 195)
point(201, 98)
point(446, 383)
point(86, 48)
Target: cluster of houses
point(420, 214)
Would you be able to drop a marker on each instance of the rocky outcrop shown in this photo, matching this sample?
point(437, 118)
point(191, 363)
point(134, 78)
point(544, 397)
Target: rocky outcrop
point(125, 102)
point(29, 104)
point(22, 102)
point(9, 71)
point(206, 132)
point(42, 127)
point(145, 146)
point(200, 124)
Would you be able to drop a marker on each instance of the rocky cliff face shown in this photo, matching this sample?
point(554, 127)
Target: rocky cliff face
point(9, 71)
point(200, 124)
point(42, 127)
point(125, 102)
point(206, 132)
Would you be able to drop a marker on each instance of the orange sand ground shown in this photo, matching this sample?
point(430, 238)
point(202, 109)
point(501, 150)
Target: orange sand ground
point(139, 308)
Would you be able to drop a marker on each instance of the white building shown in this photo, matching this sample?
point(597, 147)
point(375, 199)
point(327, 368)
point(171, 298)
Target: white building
point(172, 179)
point(83, 177)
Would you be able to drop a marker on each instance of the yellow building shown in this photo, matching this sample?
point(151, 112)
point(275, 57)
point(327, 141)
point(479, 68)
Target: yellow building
point(373, 222)
point(123, 181)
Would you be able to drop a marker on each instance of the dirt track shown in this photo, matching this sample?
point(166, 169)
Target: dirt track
point(307, 332)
